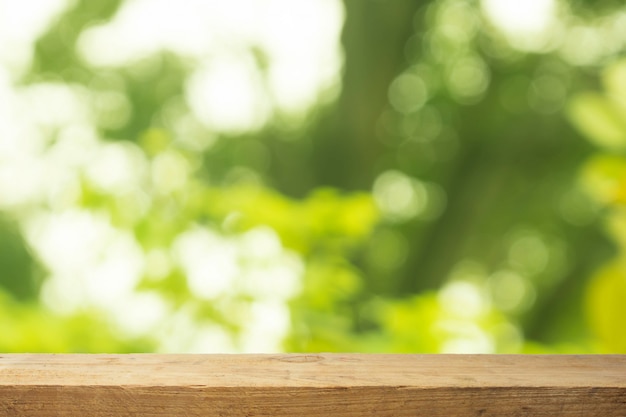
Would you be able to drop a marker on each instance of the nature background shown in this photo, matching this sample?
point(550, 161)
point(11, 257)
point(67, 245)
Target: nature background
point(312, 175)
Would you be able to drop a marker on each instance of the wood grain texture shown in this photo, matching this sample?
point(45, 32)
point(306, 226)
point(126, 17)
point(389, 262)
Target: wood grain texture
point(312, 385)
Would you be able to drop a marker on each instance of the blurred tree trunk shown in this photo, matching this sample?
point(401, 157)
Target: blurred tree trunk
point(375, 33)
point(342, 148)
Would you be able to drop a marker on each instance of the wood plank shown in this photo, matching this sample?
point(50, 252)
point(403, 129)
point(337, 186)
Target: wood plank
point(312, 385)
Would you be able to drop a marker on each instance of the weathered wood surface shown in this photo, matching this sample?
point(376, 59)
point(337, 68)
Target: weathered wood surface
point(312, 385)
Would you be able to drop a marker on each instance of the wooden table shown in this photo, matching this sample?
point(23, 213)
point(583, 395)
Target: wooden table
point(312, 385)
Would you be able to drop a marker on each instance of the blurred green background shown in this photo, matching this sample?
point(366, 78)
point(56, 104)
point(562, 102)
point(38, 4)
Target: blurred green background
point(317, 175)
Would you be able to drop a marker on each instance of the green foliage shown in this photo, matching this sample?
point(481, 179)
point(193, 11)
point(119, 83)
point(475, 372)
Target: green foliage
point(431, 323)
point(325, 218)
point(598, 118)
point(422, 202)
point(19, 277)
point(26, 327)
point(606, 308)
point(602, 118)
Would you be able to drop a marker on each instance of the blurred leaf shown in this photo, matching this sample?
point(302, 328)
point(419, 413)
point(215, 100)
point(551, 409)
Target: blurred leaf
point(602, 117)
point(615, 85)
point(18, 273)
point(324, 216)
point(606, 306)
point(28, 327)
point(599, 119)
point(410, 325)
point(604, 178)
point(426, 323)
